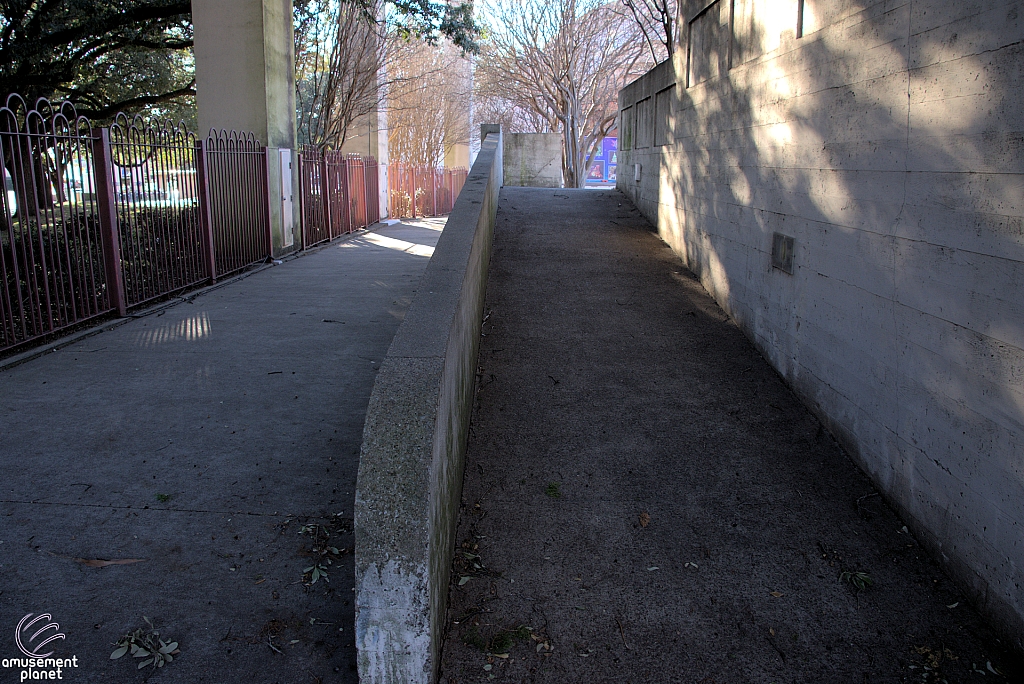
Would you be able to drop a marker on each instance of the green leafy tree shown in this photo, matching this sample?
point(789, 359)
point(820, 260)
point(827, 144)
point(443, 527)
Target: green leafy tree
point(104, 55)
point(429, 20)
point(127, 55)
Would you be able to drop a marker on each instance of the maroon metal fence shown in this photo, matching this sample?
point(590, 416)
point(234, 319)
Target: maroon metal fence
point(339, 194)
point(162, 245)
point(415, 191)
point(51, 241)
point(97, 220)
point(235, 173)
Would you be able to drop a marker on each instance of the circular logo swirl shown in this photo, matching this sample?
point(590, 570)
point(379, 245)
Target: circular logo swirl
point(31, 645)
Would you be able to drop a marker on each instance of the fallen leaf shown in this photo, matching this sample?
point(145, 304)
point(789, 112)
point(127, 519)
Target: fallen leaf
point(777, 594)
point(100, 563)
point(463, 580)
point(645, 519)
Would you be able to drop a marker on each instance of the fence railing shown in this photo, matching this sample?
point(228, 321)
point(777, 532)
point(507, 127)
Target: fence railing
point(415, 191)
point(52, 243)
point(234, 170)
point(98, 220)
point(339, 194)
point(161, 241)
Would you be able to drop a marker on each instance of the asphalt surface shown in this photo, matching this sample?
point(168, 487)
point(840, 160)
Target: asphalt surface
point(646, 501)
point(194, 446)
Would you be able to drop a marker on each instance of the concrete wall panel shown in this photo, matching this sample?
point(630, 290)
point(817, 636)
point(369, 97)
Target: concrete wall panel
point(533, 160)
point(887, 142)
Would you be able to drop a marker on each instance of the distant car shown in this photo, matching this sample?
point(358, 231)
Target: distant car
point(12, 197)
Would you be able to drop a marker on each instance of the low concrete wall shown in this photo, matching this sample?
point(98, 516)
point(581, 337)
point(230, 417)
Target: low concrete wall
point(414, 441)
point(852, 194)
point(533, 160)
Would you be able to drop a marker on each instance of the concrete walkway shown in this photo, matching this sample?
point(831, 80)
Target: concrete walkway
point(194, 445)
point(646, 502)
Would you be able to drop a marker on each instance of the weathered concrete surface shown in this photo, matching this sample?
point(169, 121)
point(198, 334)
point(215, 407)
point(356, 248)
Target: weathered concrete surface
point(886, 142)
point(200, 440)
point(410, 470)
point(609, 377)
point(533, 160)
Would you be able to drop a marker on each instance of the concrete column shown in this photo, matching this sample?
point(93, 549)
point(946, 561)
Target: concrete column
point(245, 81)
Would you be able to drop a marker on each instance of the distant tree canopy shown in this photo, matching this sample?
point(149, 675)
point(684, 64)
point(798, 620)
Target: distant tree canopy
point(127, 55)
point(430, 20)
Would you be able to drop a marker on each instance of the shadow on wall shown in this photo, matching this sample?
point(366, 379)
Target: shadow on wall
point(886, 141)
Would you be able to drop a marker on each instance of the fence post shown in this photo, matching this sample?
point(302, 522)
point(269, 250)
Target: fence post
point(205, 215)
point(302, 202)
point(267, 213)
point(107, 205)
point(325, 193)
point(346, 199)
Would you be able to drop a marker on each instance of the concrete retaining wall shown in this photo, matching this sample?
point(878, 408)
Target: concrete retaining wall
point(411, 464)
point(886, 142)
point(533, 160)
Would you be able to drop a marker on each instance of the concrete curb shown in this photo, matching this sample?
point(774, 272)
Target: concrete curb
point(414, 441)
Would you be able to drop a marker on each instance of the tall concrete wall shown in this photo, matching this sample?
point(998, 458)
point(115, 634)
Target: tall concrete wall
point(414, 441)
point(886, 141)
point(533, 160)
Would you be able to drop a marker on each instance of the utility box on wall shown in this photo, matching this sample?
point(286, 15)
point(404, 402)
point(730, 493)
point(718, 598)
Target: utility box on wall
point(287, 199)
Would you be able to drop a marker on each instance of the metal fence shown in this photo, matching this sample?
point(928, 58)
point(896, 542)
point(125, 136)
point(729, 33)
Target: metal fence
point(161, 237)
point(234, 171)
point(339, 194)
point(52, 243)
point(97, 220)
point(415, 191)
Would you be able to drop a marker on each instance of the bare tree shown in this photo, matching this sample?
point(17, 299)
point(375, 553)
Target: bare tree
point(565, 61)
point(339, 57)
point(350, 54)
point(495, 102)
point(428, 104)
point(657, 21)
